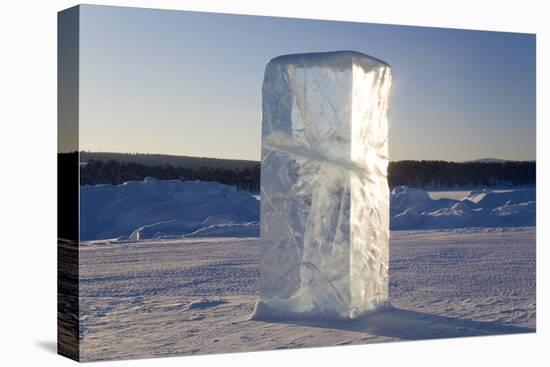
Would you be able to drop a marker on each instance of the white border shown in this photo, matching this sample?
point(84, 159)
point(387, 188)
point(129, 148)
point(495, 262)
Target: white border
point(28, 180)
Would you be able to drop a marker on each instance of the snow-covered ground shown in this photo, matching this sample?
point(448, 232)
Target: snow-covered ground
point(195, 295)
point(171, 267)
point(155, 209)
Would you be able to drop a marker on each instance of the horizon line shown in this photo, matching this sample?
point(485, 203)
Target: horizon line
point(478, 160)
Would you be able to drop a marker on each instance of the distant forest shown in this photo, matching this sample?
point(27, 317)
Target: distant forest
point(113, 172)
point(166, 159)
point(116, 168)
point(442, 174)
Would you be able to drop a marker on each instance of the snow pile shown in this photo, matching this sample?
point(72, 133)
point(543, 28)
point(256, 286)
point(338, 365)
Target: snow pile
point(155, 209)
point(414, 209)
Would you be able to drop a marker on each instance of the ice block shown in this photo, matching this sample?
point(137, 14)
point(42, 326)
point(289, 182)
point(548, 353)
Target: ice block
point(324, 233)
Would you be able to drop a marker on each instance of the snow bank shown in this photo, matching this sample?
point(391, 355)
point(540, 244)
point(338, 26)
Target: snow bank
point(154, 209)
point(414, 209)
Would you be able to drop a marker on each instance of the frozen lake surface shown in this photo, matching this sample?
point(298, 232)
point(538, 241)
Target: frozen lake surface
point(459, 194)
point(195, 295)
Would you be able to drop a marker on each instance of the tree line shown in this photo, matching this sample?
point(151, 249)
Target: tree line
point(442, 174)
point(112, 172)
point(421, 174)
point(163, 159)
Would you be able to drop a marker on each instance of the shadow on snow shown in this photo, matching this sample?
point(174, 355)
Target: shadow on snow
point(413, 325)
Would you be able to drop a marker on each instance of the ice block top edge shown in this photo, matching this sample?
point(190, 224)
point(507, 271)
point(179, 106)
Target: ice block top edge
point(332, 58)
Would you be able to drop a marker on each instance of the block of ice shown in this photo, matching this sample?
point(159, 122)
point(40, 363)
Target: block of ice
point(324, 192)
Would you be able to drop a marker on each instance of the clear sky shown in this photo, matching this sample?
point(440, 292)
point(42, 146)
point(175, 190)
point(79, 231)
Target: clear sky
point(173, 82)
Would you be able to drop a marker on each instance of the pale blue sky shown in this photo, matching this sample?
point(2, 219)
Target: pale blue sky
point(157, 81)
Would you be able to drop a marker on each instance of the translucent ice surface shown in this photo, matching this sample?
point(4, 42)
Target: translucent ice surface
point(324, 192)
